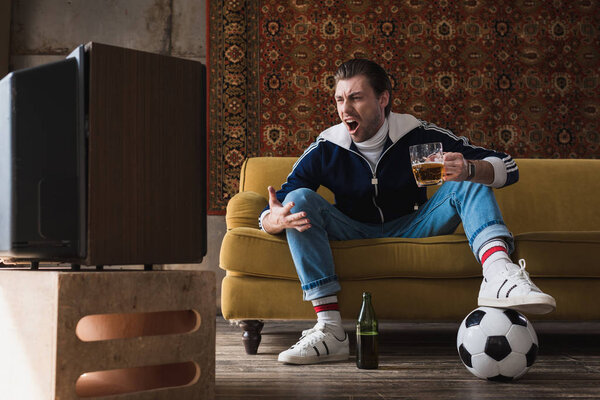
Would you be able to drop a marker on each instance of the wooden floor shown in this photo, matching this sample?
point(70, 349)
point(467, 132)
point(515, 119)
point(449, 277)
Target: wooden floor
point(417, 361)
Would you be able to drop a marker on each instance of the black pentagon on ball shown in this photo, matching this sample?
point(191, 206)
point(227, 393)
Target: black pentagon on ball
point(497, 347)
point(515, 317)
point(500, 378)
point(474, 318)
point(465, 356)
point(531, 355)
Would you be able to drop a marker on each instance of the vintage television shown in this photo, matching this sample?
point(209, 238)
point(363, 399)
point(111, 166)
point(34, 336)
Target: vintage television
point(103, 159)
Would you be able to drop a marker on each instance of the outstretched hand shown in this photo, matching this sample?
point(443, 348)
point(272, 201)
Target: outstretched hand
point(281, 216)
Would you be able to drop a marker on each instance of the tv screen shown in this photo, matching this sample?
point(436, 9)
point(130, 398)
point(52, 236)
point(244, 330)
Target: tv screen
point(41, 162)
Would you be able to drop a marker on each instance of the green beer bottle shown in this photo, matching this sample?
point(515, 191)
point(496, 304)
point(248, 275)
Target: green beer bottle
point(367, 336)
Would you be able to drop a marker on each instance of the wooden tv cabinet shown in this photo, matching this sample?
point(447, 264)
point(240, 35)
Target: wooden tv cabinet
point(146, 201)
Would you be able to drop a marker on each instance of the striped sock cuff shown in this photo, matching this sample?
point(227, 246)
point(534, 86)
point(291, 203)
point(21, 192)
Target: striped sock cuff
point(495, 245)
point(327, 307)
point(328, 303)
point(491, 251)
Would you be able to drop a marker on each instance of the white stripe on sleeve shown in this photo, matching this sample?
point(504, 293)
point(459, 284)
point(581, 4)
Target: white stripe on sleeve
point(500, 172)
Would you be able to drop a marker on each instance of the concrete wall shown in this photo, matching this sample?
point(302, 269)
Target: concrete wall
point(46, 30)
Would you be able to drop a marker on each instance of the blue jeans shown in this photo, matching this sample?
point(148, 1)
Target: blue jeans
point(473, 204)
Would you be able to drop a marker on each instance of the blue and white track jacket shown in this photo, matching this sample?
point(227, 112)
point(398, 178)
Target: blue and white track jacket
point(389, 191)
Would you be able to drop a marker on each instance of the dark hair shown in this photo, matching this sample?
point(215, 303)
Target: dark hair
point(375, 74)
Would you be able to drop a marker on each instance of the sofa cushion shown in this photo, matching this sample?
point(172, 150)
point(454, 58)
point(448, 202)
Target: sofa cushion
point(557, 254)
point(552, 195)
point(539, 202)
point(560, 254)
point(260, 172)
point(253, 252)
point(243, 210)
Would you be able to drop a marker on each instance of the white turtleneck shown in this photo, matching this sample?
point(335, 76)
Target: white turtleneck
point(372, 148)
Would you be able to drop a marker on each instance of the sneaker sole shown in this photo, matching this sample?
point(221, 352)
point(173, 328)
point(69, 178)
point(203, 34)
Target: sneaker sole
point(312, 359)
point(525, 304)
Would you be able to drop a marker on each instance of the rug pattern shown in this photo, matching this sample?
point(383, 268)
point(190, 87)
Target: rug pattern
point(520, 76)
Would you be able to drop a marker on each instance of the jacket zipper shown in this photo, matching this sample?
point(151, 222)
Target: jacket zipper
point(373, 181)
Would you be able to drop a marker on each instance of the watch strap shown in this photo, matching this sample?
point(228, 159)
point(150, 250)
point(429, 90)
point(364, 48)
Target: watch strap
point(471, 170)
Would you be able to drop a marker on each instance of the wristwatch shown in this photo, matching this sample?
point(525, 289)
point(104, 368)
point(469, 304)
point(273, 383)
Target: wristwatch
point(471, 170)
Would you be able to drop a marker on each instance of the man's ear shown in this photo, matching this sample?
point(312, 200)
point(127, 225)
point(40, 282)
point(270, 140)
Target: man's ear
point(384, 99)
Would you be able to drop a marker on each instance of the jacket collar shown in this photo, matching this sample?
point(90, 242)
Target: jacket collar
point(400, 125)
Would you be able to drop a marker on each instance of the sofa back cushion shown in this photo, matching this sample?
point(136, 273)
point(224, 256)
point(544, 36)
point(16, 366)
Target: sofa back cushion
point(551, 195)
point(259, 172)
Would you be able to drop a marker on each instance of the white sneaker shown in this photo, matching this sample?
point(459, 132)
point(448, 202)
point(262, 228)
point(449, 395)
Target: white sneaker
point(317, 345)
point(513, 288)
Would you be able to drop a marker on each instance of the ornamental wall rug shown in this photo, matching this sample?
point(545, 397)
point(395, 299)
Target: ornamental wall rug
point(518, 76)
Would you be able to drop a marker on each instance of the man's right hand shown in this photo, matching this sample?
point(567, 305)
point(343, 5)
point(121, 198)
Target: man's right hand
point(281, 218)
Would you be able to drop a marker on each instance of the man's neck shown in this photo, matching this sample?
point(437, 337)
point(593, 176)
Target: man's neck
point(377, 139)
point(372, 148)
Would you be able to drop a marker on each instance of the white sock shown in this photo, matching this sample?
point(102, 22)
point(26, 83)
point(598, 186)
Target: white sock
point(494, 257)
point(328, 312)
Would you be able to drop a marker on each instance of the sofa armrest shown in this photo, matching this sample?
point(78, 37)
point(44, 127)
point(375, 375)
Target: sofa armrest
point(244, 209)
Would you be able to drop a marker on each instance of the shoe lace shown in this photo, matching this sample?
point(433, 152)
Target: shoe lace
point(519, 275)
point(311, 336)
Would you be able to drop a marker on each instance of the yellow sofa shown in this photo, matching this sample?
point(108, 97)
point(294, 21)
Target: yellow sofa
point(553, 212)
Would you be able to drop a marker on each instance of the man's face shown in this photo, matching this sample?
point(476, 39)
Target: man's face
point(359, 107)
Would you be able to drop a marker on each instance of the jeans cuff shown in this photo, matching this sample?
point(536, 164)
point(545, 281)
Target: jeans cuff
point(495, 230)
point(323, 290)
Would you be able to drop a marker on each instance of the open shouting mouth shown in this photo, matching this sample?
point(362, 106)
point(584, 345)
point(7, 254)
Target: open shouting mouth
point(352, 125)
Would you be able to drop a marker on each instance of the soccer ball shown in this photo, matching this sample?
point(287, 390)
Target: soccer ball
point(497, 344)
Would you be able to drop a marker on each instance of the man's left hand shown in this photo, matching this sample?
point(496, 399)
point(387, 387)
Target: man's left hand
point(456, 168)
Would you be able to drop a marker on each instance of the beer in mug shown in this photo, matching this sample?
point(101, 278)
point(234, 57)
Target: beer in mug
point(427, 162)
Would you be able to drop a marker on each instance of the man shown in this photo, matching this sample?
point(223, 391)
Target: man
point(365, 162)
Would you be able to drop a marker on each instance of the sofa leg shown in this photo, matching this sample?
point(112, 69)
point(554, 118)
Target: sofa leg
point(251, 336)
